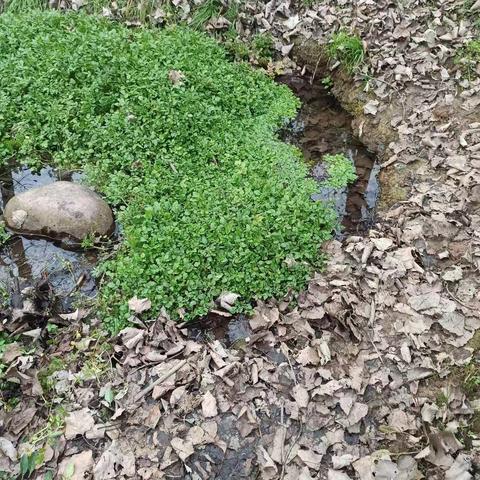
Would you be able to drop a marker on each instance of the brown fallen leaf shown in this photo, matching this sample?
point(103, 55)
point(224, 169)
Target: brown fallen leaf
point(176, 77)
point(78, 423)
point(139, 305)
point(183, 448)
point(12, 351)
point(300, 394)
point(76, 466)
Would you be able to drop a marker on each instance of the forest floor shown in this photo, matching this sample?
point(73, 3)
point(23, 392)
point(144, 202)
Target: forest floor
point(374, 373)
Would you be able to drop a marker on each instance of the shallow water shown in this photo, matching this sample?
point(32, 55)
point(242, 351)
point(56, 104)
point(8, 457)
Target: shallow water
point(33, 259)
point(323, 127)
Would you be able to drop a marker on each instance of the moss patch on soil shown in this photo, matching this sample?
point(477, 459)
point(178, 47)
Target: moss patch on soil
point(393, 190)
point(181, 141)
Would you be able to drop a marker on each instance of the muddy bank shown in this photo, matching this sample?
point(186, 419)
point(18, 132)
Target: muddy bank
point(324, 127)
point(376, 132)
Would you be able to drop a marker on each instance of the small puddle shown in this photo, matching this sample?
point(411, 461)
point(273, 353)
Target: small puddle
point(31, 259)
point(324, 127)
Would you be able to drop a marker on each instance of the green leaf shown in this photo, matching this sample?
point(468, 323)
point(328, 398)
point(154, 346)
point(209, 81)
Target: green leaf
point(24, 464)
point(69, 471)
point(109, 395)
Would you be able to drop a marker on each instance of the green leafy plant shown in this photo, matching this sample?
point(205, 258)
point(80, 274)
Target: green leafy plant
point(209, 199)
point(468, 58)
point(347, 49)
point(49, 434)
point(88, 242)
point(4, 234)
point(262, 47)
point(5, 340)
point(468, 11)
point(340, 171)
point(237, 48)
point(45, 374)
point(28, 462)
point(327, 82)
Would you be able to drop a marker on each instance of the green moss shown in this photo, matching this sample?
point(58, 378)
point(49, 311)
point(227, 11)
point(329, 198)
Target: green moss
point(347, 49)
point(209, 199)
point(392, 180)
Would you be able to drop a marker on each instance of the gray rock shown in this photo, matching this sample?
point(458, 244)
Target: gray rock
point(59, 210)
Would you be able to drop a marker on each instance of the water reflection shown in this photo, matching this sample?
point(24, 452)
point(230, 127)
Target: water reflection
point(31, 259)
point(323, 127)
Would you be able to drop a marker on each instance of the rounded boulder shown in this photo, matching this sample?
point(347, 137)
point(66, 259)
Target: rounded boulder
point(59, 210)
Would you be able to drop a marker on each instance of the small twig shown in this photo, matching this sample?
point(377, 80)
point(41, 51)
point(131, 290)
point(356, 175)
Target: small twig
point(159, 380)
point(375, 347)
point(372, 313)
point(293, 371)
point(315, 70)
point(78, 284)
point(456, 299)
point(284, 463)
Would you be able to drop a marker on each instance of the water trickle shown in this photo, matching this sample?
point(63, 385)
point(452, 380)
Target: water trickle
point(323, 127)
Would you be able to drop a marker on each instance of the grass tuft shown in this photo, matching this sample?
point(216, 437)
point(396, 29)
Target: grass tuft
point(347, 49)
point(22, 6)
point(209, 199)
point(204, 13)
point(468, 57)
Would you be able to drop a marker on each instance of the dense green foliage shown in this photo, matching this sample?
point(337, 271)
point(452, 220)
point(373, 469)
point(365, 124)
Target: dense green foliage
point(340, 170)
point(347, 49)
point(208, 198)
point(18, 6)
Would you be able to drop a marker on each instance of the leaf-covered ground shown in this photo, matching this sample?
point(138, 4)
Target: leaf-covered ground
point(374, 374)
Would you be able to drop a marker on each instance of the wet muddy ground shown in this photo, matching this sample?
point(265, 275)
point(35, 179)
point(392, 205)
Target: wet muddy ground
point(324, 127)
